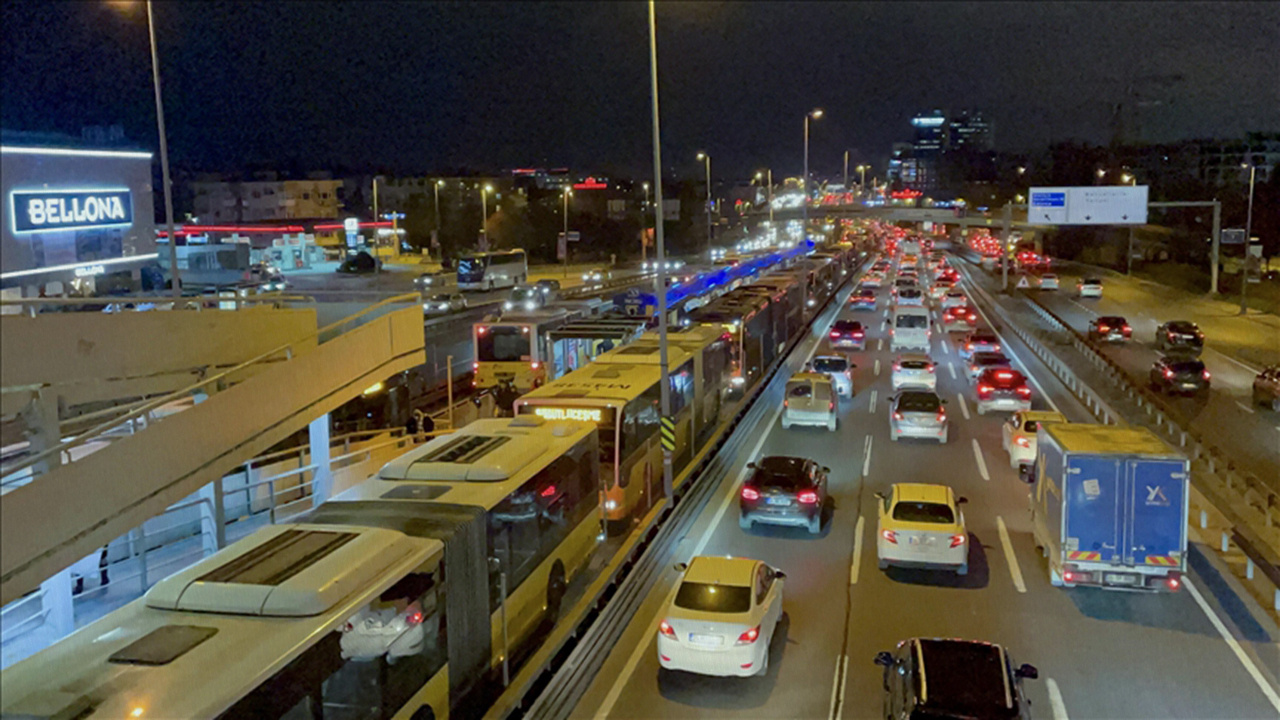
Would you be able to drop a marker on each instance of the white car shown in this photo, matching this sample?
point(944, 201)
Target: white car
point(443, 303)
point(1089, 288)
point(596, 275)
point(1018, 434)
point(921, 526)
point(1048, 281)
point(954, 298)
point(914, 371)
point(722, 618)
point(839, 369)
point(810, 400)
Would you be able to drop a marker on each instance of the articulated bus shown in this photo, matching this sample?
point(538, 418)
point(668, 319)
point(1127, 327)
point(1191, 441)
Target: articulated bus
point(575, 345)
point(401, 598)
point(620, 392)
point(711, 349)
point(490, 270)
point(518, 347)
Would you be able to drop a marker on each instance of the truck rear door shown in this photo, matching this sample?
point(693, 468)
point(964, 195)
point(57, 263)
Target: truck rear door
point(1095, 504)
point(1157, 517)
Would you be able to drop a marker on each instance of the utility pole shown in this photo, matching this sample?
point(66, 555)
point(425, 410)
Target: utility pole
point(1005, 232)
point(1248, 238)
point(644, 227)
point(769, 173)
point(706, 159)
point(804, 181)
point(846, 170)
point(664, 380)
point(175, 280)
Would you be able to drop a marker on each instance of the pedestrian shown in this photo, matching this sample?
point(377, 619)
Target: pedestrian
point(102, 567)
point(411, 427)
point(426, 425)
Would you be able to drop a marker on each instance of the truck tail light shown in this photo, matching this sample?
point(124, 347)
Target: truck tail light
point(475, 366)
point(889, 536)
point(1174, 582)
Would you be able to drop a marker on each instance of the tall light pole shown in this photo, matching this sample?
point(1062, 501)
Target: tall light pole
point(862, 179)
point(706, 160)
point(644, 227)
point(435, 237)
point(804, 181)
point(567, 192)
point(484, 214)
point(664, 381)
point(175, 281)
point(1248, 237)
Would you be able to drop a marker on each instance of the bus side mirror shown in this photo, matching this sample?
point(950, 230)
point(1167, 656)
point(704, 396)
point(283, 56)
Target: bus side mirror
point(1027, 671)
point(884, 659)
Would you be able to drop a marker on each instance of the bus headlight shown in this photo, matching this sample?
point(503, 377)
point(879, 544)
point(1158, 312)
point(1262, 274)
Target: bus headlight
point(507, 305)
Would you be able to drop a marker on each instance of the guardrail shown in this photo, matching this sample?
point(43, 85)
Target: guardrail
point(1245, 502)
point(560, 671)
point(31, 306)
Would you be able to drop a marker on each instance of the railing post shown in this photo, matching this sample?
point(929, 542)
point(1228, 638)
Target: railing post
point(322, 475)
point(142, 556)
point(448, 365)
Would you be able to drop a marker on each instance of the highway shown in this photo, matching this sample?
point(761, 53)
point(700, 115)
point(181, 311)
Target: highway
point(1100, 654)
point(1236, 348)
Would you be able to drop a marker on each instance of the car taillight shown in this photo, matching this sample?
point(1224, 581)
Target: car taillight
point(968, 346)
point(749, 636)
point(889, 536)
point(1103, 328)
point(664, 628)
point(835, 334)
point(1206, 374)
point(1024, 391)
point(808, 497)
point(897, 415)
point(831, 404)
point(995, 348)
point(750, 493)
point(1127, 330)
point(534, 365)
point(984, 389)
point(958, 539)
point(786, 403)
point(857, 334)
point(1168, 372)
point(942, 416)
point(931, 369)
point(475, 366)
point(1022, 442)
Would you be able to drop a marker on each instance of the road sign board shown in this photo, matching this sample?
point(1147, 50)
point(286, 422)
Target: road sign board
point(1023, 283)
point(1088, 205)
point(1232, 236)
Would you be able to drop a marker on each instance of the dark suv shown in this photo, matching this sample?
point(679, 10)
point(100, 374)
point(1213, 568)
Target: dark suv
point(1179, 336)
point(784, 491)
point(1179, 374)
point(966, 679)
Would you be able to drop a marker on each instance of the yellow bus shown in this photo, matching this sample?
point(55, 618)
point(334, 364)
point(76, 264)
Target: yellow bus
point(712, 350)
point(515, 347)
point(621, 393)
point(401, 598)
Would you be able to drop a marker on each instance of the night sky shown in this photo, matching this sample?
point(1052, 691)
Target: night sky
point(417, 87)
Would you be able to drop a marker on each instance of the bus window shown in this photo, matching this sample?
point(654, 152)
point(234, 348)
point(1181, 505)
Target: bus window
point(503, 343)
point(370, 667)
point(681, 388)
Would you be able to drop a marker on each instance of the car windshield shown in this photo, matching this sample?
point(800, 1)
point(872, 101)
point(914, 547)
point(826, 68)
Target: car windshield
point(785, 473)
point(830, 365)
point(909, 293)
point(1092, 281)
point(984, 339)
point(708, 597)
point(919, 402)
point(867, 294)
point(1183, 327)
point(911, 321)
point(848, 325)
point(923, 512)
point(523, 294)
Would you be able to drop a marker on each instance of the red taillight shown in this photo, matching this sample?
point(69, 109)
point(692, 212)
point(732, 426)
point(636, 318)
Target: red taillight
point(835, 334)
point(968, 346)
point(931, 368)
point(1168, 372)
point(857, 334)
point(664, 628)
point(889, 536)
point(548, 491)
point(984, 389)
point(786, 403)
point(809, 497)
point(1127, 330)
point(475, 366)
point(831, 405)
point(1206, 374)
point(534, 365)
point(897, 415)
point(995, 348)
point(1174, 583)
point(973, 318)
point(413, 618)
point(1004, 375)
point(749, 636)
point(942, 416)
point(958, 540)
point(750, 493)
point(1022, 442)
point(1103, 328)
point(1024, 391)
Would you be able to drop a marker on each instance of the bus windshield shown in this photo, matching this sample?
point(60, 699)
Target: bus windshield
point(504, 343)
point(471, 266)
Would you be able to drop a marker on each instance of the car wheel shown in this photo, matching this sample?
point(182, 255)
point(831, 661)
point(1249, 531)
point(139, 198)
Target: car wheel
point(815, 524)
point(745, 523)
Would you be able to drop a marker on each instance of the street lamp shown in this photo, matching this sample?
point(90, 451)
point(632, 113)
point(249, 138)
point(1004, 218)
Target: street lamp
point(862, 179)
point(436, 187)
point(814, 114)
point(660, 286)
point(1022, 170)
point(706, 160)
point(484, 214)
point(846, 170)
point(644, 226)
point(1129, 179)
point(1248, 235)
point(567, 193)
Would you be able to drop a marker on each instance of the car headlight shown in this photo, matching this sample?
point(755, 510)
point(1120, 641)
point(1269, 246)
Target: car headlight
point(507, 305)
point(529, 304)
point(444, 306)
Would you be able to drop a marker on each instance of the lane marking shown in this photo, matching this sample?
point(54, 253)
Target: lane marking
point(952, 368)
point(964, 407)
point(615, 692)
point(982, 464)
point(1089, 310)
point(857, 551)
point(1272, 696)
point(866, 461)
point(871, 407)
point(837, 687)
point(878, 371)
point(884, 324)
point(1245, 408)
point(1014, 571)
point(1056, 705)
point(946, 346)
point(880, 345)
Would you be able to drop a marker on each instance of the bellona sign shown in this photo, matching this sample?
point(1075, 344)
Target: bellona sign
point(49, 210)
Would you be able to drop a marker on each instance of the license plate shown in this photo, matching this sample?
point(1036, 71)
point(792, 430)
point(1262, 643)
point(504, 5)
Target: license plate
point(697, 639)
point(1118, 579)
point(779, 501)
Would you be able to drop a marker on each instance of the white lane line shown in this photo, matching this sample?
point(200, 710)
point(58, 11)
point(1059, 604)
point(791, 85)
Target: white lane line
point(1089, 310)
point(878, 371)
point(946, 346)
point(1056, 705)
point(884, 324)
point(837, 687)
point(982, 464)
point(1245, 408)
point(964, 407)
point(642, 647)
point(866, 461)
point(1272, 696)
point(880, 344)
point(1014, 571)
point(1244, 365)
point(871, 406)
point(952, 368)
point(857, 551)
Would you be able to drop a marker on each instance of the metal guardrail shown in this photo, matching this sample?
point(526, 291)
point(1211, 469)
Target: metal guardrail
point(30, 306)
point(287, 349)
point(572, 656)
point(1249, 491)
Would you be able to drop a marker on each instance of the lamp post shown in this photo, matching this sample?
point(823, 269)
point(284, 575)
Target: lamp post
point(706, 160)
point(567, 193)
point(175, 281)
point(846, 170)
point(435, 236)
point(804, 181)
point(862, 179)
point(484, 214)
point(660, 286)
point(1248, 237)
point(644, 226)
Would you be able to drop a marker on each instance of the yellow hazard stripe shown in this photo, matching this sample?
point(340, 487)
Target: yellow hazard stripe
point(1083, 555)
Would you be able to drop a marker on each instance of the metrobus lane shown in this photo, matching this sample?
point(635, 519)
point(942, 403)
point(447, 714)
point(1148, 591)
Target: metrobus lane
point(1099, 653)
point(1105, 654)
